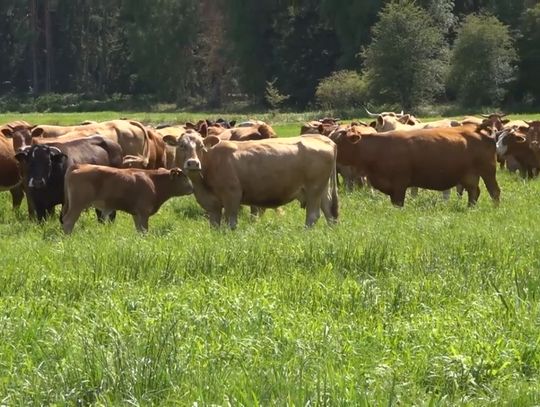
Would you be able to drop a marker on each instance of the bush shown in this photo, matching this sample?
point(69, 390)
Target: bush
point(343, 90)
point(482, 61)
point(406, 61)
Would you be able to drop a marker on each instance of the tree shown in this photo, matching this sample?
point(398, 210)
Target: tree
point(482, 62)
point(529, 52)
point(406, 60)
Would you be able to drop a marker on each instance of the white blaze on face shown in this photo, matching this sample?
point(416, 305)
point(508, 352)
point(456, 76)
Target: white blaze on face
point(501, 147)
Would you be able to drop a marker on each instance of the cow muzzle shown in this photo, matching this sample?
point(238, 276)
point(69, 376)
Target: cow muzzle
point(192, 165)
point(36, 182)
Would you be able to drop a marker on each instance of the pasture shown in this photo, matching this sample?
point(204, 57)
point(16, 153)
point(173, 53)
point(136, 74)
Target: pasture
point(432, 304)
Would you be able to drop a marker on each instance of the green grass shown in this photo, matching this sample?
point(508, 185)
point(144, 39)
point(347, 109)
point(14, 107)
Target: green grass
point(433, 304)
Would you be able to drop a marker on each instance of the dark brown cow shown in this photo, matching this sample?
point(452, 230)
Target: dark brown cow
point(264, 173)
point(436, 159)
point(514, 143)
point(135, 191)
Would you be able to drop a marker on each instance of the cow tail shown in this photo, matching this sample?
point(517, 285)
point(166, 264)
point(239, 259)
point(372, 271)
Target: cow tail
point(146, 147)
point(334, 208)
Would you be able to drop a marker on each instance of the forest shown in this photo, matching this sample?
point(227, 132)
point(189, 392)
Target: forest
point(288, 54)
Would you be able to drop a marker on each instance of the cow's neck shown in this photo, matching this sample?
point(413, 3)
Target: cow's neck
point(203, 194)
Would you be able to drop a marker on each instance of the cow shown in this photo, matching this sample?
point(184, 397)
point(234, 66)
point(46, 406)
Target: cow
point(400, 117)
point(156, 157)
point(436, 159)
point(264, 173)
point(513, 142)
point(131, 135)
point(390, 123)
point(138, 192)
point(10, 178)
point(170, 131)
point(44, 167)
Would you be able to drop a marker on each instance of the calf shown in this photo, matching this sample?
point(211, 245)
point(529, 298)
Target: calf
point(264, 173)
point(44, 167)
point(138, 192)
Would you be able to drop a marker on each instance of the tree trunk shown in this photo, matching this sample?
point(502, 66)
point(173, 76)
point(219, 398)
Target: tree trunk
point(49, 62)
point(35, 39)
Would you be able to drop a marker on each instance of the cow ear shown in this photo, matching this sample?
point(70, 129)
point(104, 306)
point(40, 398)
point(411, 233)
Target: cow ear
point(404, 119)
point(211, 141)
point(523, 129)
point(520, 139)
point(203, 130)
point(176, 172)
point(373, 124)
point(354, 138)
point(380, 120)
point(6, 132)
point(170, 140)
point(37, 132)
point(232, 123)
point(505, 121)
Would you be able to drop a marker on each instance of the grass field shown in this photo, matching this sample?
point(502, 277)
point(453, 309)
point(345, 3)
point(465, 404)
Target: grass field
point(433, 304)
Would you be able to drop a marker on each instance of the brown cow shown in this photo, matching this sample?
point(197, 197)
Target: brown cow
point(135, 191)
point(514, 143)
point(10, 178)
point(436, 159)
point(172, 131)
point(264, 173)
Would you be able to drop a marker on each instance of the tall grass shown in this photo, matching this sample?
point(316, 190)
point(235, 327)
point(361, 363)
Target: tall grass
point(432, 304)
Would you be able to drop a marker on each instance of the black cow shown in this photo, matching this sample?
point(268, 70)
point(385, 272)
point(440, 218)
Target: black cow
point(44, 167)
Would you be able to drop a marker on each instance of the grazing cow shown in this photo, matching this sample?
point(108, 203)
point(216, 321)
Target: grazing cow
point(138, 192)
point(44, 167)
point(514, 143)
point(436, 159)
point(264, 173)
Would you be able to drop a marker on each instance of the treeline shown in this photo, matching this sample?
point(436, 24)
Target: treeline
point(280, 53)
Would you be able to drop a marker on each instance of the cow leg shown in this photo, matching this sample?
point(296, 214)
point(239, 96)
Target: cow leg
point(459, 190)
point(313, 208)
point(69, 219)
point(470, 183)
point(414, 192)
point(397, 197)
point(446, 195)
point(105, 215)
point(141, 222)
point(490, 181)
point(231, 214)
point(256, 211)
point(17, 195)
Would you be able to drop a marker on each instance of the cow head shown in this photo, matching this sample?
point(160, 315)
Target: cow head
point(39, 162)
point(182, 184)
point(510, 139)
point(190, 149)
point(533, 135)
point(496, 120)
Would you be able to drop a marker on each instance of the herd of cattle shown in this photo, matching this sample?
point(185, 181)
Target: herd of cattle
point(125, 165)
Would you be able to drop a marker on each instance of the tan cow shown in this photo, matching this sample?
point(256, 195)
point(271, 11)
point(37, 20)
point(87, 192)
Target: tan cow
point(390, 123)
point(263, 173)
point(131, 135)
point(436, 159)
point(135, 191)
point(10, 178)
point(172, 131)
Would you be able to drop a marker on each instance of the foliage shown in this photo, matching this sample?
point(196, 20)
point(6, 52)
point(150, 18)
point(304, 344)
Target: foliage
point(342, 90)
point(273, 96)
point(529, 49)
point(482, 62)
point(406, 60)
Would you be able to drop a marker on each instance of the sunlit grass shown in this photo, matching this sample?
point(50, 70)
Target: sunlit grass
point(432, 304)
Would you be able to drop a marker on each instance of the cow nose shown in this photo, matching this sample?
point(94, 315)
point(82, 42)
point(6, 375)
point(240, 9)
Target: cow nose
point(192, 164)
point(36, 183)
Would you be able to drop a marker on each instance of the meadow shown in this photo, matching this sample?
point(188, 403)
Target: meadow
point(435, 304)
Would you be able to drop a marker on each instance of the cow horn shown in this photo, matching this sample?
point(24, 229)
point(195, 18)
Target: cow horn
point(55, 151)
point(371, 114)
point(485, 115)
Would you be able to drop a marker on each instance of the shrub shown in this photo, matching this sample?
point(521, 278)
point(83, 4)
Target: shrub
point(342, 90)
point(406, 61)
point(482, 61)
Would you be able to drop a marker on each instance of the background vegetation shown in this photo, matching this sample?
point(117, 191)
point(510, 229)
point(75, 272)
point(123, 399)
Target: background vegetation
point(221, 54)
